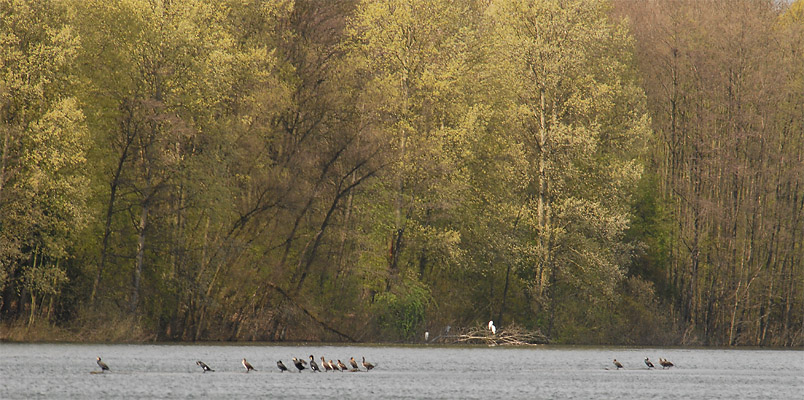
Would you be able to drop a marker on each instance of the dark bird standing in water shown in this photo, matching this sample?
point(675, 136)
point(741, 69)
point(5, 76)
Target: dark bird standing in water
point(353, 362)
point(324, 364)
point(367, 365)
point(648, 363)
point(342, 366)
point(102, 364)
point(617, 364)
point(313, 365)
point(204, 366)
point(281, 365)
point(247, 366)
point(299, 363)
point(664, 363)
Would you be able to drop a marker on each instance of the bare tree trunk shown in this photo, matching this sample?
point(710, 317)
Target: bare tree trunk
point(32, 316)
point(398, 234)
point(138, 263)
point(107, 229)
point(4, 160)
point(345, 233)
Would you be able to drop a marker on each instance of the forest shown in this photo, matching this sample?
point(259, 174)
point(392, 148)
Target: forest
point(594, 171)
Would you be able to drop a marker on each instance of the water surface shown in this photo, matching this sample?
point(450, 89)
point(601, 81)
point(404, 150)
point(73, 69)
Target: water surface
point(63, 371)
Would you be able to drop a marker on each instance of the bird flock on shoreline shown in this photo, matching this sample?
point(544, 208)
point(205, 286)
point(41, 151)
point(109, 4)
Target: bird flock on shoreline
point(300, 364)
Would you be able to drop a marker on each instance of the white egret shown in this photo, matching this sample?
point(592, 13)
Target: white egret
point(492, 328)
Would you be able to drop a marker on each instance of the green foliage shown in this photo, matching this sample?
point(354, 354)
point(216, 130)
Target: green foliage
point(575, 105)
point(401, 312)
point(43, 181)
point(364, 169)
point(650, 233)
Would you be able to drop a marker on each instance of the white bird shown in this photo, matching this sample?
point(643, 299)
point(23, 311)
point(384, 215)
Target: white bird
point(426, 336)
point(492, 328)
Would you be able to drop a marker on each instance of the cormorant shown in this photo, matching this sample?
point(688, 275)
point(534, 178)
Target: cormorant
point(102, 364)
point(617, 364)
point(204, 366)
point(342, 366)
point(247, 366)
point(665, 363)
point(299, 363)
point(313, 365)
point(353, 362)
point(324, 364)
point(332, 365)
point(648, 363)
point(281, 365)
point(367, 365)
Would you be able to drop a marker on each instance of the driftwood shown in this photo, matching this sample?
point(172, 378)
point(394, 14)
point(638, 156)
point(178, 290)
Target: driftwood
point(512, 336)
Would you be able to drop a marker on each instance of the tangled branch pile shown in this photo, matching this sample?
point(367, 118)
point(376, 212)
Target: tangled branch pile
point(512, 336)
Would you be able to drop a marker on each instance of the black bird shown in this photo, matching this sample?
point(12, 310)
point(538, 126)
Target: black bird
point(617, 364)
point(353, 362)
point(332, 365)
point(299, 363)
point(313, 365)
point(247, 366)
point(665, 363)
point(281, 365)
point(342, 366)
point(326, 366)
point(102, 364)
point(367, 365)
point(648, 363)
point(204, 366)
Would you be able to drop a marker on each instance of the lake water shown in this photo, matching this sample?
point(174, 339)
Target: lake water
point(63, 371)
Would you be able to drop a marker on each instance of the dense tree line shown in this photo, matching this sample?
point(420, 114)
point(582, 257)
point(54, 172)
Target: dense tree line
point(597, 171)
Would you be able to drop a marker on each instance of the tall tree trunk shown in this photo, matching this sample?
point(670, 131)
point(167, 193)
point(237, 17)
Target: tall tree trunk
point(543, 201)
point(4, 159)
point(139, 258)
point(32, 316)
point(107, 229)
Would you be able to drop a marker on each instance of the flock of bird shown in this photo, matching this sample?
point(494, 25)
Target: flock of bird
point(300, 365)
point(662, 361)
